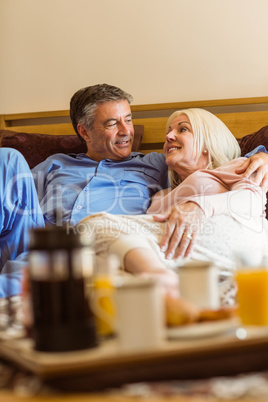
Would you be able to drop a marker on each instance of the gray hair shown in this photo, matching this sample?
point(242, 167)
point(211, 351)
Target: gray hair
point(84, 102)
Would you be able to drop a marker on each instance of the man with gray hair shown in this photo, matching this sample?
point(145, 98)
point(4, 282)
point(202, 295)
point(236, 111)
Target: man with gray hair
point(109, 177)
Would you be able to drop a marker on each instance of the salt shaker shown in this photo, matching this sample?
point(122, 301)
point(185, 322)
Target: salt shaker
point(60, 262)
point(199, 284)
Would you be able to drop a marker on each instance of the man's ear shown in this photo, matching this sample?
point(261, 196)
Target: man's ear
point(84, 132)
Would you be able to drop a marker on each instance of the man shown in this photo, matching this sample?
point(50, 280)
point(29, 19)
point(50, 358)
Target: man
point(107, 178)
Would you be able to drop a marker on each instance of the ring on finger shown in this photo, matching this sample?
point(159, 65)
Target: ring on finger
point(187, 236)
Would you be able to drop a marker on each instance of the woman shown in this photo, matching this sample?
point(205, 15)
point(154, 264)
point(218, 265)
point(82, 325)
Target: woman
point(220, 212)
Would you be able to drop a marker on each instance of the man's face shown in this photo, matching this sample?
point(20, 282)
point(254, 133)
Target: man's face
point(112, 134)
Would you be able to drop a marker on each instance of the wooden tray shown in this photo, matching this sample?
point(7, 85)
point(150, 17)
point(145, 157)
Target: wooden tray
point(107, 366)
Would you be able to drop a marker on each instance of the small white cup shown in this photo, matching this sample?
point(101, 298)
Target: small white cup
point(140, 314)
point(199, 284)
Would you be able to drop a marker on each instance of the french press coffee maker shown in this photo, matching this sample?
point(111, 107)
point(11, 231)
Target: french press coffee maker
point(60, 267)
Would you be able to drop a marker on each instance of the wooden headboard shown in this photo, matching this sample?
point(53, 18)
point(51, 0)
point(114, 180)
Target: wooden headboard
point(242, 116)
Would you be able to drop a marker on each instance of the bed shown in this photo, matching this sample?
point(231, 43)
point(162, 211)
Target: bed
point(38, 135)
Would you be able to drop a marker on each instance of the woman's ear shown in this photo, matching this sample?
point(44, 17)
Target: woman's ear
point(84, 132)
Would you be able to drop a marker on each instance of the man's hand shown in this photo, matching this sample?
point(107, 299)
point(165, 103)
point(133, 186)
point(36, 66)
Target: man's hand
point(257, 164)
point(182, 225)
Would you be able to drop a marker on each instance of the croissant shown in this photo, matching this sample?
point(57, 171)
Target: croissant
point(180, 312)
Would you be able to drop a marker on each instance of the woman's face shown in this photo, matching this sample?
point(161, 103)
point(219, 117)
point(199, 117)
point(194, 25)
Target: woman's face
point(179, 148)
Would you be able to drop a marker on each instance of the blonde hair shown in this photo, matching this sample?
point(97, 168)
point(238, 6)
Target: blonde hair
point(209, 133)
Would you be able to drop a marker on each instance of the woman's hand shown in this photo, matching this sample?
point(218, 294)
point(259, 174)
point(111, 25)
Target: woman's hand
point(182, 225)
point(257, 164)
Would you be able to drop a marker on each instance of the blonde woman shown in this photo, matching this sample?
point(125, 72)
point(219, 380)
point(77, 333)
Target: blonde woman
point(215, 212)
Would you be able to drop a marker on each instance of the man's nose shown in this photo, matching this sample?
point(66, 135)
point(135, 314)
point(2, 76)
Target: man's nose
point(123, 127)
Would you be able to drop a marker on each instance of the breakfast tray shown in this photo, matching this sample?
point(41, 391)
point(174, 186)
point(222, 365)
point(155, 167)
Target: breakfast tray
point(108, 366)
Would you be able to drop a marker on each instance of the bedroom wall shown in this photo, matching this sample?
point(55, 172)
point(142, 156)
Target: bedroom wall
point(158, 50)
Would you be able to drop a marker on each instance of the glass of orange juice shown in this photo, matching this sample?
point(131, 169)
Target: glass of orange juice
point(252, 293)
point(102, 302)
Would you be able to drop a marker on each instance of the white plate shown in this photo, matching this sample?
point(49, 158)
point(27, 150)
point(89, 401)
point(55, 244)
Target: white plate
point(202, 329)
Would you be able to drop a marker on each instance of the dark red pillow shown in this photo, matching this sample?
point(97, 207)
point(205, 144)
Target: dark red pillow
point(37, 147)
point(251, 141)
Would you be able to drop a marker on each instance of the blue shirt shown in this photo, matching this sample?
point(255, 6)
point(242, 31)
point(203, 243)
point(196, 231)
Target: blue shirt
point(260, 148)
point(77, 186)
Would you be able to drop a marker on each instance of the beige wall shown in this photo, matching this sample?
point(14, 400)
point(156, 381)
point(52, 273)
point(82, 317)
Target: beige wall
point(158, 50)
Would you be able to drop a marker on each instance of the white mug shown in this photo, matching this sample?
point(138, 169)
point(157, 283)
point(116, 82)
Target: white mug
point(199, 284)
point(140, 313)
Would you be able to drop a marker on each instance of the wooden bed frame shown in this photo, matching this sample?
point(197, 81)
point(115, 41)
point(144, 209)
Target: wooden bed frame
point(242, 116)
